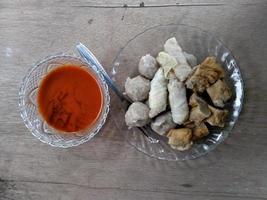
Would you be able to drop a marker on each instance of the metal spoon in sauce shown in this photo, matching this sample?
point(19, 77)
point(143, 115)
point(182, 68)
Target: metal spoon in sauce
point(89, 57)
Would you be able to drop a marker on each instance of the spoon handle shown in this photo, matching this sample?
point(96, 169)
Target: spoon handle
point(89, 57)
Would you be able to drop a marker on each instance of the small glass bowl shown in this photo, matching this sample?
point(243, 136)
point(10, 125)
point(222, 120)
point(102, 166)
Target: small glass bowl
point(28, 103)
point(197, 42)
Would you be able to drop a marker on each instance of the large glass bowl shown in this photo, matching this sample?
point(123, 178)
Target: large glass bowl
point(201, 44)
point(29, 110)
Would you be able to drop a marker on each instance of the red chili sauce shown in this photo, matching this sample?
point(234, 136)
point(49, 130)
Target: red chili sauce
point(70, 98)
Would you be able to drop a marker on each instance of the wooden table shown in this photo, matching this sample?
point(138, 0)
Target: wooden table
point(108, 167)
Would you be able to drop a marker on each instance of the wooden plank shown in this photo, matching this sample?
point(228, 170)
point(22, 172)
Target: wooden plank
point(108, 167)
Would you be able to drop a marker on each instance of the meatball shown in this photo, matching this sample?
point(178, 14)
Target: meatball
point(137, 114)
point(148, 66)
point(137, 88)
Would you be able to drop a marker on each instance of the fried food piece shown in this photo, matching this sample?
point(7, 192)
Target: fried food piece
point(163, 123)
point(172, 47)
point(182, 69)
point(167, 62)
point(200, 131)
point(189, 124)
point(210, 63)
point(217, 117)
point(205, 74)
point(158, 94)
point(137, 115)
point(219, 93)
point(195, 100)
point(199, 113)
point(180, 139)
point(137, 88)
point(191, 59)
point(178, 101)
point(200, 109)
point(148, 66)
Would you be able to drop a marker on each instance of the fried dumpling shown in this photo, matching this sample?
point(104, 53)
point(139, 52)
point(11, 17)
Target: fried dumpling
point(178, 101)
point(158, 94)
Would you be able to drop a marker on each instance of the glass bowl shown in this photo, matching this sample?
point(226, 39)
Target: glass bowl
point(28, 103)
point(195, 41)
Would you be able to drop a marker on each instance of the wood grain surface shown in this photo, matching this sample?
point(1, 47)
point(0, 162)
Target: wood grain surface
point(108, 167)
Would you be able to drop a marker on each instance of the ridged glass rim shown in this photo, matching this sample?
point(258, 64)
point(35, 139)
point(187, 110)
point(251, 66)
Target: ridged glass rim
point(62, 142)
